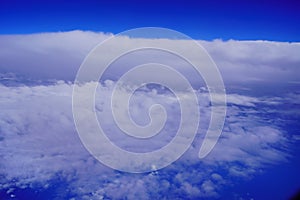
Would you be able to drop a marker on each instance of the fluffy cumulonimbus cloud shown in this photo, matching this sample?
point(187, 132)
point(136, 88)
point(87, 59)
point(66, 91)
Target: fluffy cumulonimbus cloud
point(59, 56)
point(39, 143)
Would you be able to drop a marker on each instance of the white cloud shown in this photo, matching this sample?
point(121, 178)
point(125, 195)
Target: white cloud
point(39, 144)
point(266, 61)
point(59, 55)
point(47, 55)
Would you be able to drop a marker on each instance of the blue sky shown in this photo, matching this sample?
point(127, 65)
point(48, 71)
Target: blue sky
point(42, 45)
point(240, 20)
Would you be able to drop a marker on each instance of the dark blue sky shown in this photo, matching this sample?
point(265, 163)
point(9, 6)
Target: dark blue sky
point(242, 20)
point(209, 19)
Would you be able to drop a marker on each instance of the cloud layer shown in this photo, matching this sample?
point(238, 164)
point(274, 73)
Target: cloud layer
point(39, 145)
point(40, 148)
point(59, 56)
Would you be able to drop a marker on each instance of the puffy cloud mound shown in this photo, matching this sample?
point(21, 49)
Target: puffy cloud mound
point(59, 55)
